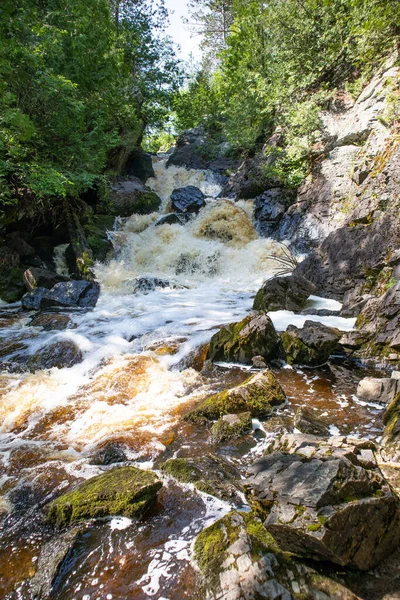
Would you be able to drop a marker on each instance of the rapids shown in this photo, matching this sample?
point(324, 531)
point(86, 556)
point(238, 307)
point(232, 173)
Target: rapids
point(141, 372)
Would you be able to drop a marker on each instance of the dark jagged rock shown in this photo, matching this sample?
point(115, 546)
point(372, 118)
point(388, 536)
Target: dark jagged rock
point(231, 427)
point(140, 165)
point(284, 293)
point(210, 474)
point(312, 345)
point(173, 219)
point(50, 563)
point(327, 500)
point(63, 354)
point(255, 335)
point(188, 199)
point(124, 491)
point(82, 294)
point(42, 278)
point(269, 209)
point(308, 421)
point(51, 321)
point(79, 254)
point(110, 454)
point(260, 395)
point(144, 285)
point(130, 196)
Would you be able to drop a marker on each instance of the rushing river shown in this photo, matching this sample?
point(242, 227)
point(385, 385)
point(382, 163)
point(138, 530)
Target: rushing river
point(143, 357)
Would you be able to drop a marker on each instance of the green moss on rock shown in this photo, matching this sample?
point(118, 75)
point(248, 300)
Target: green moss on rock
point(125, 491)
point(255, 335)
point(12, 286)
point(258, 396)
point(231, 427)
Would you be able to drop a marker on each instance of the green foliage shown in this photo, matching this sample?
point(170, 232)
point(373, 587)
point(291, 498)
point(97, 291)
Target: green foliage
point(281, 63)
point(160, 141)
point(76, 83)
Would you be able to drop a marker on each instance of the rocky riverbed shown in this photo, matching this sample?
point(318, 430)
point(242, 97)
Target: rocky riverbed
point(183, 423)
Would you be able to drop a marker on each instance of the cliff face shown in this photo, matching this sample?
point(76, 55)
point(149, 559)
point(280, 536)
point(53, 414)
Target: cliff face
point(358, 140)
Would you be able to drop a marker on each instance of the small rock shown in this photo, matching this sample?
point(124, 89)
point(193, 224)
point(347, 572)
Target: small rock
point(130, 196)
point(110, 454)
point(259, 362)
point(41, 278)
point(51, 321)
point(82, 294)
point(125, 491)
point(145, 285)
point(172, 219)
point(187, 200)
point(231, 427)
point(210, 474)
point(307, 420)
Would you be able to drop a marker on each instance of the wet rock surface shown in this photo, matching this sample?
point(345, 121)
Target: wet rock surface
point(308, 421)
point(312, 345)
point(284, 293)
point(259, 395)
point(174, 218)
point(63, 354)
point(124, 491)
point(240, 342)
point(82, 294)
point(51, 321)
point(209, 474)
point(187, 200)
point(326, 500)
point(378, 390)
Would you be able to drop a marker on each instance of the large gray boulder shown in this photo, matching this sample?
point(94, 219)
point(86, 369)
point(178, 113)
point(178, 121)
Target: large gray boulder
point(382, 390)
point(254, 336)
point(327, 500)
point(312, 345)
point(284, 293)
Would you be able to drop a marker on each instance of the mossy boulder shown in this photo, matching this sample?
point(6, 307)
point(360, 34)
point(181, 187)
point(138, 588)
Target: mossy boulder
point(124, 491)
point(210, 474)
point(311, 346)
point(239, 342)
point(259, 396)
point(231, 427)
point(130, 196)
point(12, 286)
point(284, 293)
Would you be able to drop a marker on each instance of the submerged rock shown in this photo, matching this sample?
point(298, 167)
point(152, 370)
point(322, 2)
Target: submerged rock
point(254, 336)
point(307, 420)
point(188, 199)
point(63, 354)
point(210, 474)
point(259, 396)
point(284, 293)
point(51, 321)
point(312, 345)
point(231, 427)
point(172, 219)
point(145, 285)
point(326, 500)
point(82, 294)
point(125, 491)
point(130, 196)
point(378, 390)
